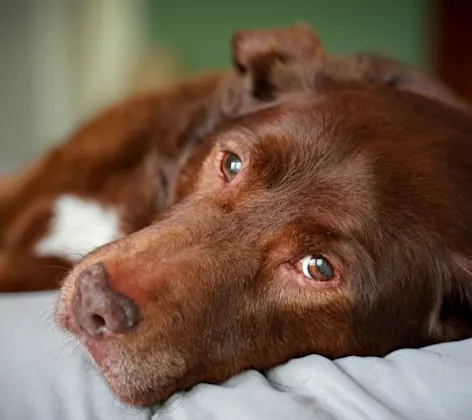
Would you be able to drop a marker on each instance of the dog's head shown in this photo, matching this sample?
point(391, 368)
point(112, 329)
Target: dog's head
point(336, 221)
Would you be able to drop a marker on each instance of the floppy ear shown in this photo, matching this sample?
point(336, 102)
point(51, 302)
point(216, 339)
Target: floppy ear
point(271, 62)
point(267, 56)
point(453, 320)
point(382, 70)
point(387, 71)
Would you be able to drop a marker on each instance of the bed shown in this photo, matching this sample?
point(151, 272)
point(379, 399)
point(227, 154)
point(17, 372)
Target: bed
point(45, 375)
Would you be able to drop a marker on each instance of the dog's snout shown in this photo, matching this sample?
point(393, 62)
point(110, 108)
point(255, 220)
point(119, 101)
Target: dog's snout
point(99, 310)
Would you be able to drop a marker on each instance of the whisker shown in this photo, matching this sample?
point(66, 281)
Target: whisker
point(65, 269)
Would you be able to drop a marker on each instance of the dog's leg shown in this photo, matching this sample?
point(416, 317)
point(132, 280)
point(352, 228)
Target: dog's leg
point(10, 187)
point(22, 268)
point(7, 187)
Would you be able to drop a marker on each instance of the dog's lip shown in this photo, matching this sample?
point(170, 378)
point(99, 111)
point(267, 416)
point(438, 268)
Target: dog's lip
point(65, 321)
point(96, 351)
point(95, 348)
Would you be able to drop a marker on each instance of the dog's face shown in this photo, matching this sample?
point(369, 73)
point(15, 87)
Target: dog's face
point(336, 223)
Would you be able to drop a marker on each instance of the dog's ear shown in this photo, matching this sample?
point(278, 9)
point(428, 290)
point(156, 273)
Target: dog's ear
point(382, 70)
point(269, 63)
point(452, 319)
point(267, 55)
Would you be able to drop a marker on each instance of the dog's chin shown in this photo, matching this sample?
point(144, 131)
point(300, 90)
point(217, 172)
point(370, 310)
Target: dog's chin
point(136, 393)
point(136, 379)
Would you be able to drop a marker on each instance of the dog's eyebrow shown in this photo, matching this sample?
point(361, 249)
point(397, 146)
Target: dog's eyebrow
point(242, 134)
point(328, 228)
point(258, 125)
point(251, 133)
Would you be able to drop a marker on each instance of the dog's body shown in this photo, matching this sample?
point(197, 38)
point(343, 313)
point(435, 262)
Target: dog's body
point(316, 205)
point(110, 179)
point(118, 171)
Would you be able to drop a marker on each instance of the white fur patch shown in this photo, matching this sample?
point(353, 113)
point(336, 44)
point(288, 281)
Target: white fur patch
point(78, 226)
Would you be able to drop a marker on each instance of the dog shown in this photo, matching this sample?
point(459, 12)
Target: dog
point(119, 171)
point(327, 210)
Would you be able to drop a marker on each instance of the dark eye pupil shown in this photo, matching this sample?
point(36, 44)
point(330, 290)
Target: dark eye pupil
point(231, 165)
point(321, 268)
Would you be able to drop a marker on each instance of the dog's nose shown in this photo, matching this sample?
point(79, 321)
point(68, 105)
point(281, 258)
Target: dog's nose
point(98, 309)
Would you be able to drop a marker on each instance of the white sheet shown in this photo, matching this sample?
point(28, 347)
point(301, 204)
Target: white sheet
point(44, 376)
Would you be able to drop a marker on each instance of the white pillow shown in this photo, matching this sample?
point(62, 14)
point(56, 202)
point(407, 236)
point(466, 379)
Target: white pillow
point(45, 375)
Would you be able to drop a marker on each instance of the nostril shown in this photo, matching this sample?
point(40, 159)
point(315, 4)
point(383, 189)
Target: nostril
point(98, 321)
point(98, 308)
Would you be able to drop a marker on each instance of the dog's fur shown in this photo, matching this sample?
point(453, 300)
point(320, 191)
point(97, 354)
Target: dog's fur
point(126, 161)
point(359, 160)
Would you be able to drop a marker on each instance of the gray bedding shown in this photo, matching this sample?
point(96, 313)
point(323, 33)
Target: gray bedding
point(44, 375)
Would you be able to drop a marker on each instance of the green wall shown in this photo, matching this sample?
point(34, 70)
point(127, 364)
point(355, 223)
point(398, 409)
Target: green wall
point(201, 30)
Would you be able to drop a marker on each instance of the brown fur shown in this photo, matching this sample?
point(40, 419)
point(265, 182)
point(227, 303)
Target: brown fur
point(361, 160)
point(364, 165)
point(130, 156)
point(127, 157)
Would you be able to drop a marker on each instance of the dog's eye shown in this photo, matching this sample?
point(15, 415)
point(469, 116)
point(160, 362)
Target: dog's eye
point(231, 164)
point(316, 267)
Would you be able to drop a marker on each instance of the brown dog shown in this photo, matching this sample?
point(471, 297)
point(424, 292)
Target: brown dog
point(116, 173)
point(332, 216)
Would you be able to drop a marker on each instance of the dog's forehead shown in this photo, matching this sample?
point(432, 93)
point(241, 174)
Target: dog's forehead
point(332, 128)
point(364, 152)
point(302, 139)
point(357, 150)
point(310, 125)
point(347, 153)
point(303, 164)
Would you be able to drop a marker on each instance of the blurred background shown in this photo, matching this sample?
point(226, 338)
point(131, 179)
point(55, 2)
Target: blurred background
point(64, 60)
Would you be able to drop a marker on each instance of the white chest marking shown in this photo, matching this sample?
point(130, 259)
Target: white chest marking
point(78, 226)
